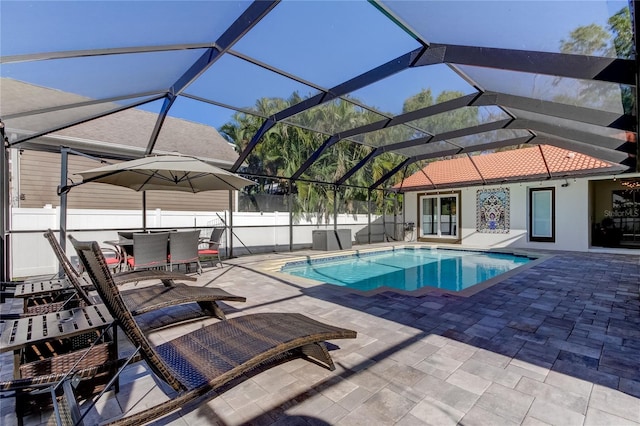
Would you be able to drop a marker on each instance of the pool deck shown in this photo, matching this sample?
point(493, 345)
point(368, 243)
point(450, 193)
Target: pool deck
point(557, 343)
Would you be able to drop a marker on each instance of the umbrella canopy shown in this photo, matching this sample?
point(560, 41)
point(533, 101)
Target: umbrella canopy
point(168, 173)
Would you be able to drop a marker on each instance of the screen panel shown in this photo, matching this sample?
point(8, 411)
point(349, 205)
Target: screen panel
point(302, 37)
point(80, 25)
point(522, 25)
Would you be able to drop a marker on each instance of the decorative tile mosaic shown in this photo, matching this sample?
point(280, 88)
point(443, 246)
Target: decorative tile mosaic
point(493, 211)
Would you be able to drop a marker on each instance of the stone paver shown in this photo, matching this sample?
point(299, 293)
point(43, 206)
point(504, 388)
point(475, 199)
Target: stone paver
point(506, 403)
point(554, 414)
point(557, 344)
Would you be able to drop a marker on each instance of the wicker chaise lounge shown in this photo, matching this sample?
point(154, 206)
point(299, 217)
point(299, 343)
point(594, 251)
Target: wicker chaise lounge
point(201, 361)
point(46, 362)
point(149, 298)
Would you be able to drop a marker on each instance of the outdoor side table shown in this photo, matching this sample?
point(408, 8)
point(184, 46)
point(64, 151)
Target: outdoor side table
point(23, 333)
point(38, 288)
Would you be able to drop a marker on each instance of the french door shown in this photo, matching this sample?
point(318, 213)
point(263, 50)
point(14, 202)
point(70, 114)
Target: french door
point(439, 216)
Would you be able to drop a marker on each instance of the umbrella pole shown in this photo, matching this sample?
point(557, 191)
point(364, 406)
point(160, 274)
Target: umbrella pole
point(5, 210)
point(64, 174)
point(144, 210)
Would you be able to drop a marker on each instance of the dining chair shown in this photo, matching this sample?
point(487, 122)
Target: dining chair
point(210, 248)
point(149, 251)
point(183, 249)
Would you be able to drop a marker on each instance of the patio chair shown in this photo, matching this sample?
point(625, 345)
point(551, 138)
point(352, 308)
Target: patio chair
point(149, 251)
point(211, 246)
point(200, 362)
point(126, 236)
point(183, 249)
point(144, 299)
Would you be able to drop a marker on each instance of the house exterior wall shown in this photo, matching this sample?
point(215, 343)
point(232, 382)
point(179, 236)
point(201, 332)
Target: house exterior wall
point(38, 175)
point(572, 221)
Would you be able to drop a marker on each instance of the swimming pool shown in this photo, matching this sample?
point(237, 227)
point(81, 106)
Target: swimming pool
point(408, 269)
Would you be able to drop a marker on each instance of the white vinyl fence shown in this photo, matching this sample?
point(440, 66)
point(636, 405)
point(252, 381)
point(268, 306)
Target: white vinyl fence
point(252, 232)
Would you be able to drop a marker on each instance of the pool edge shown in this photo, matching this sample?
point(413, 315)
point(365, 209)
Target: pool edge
point(273, 267)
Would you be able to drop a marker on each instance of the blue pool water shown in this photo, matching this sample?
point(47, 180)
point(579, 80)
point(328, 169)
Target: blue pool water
point(408, 269)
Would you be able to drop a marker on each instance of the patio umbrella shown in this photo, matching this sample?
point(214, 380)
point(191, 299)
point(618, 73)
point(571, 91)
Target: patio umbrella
point(166, 172)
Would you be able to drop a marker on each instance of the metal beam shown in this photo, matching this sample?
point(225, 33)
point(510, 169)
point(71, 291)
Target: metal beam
point(313, 157)
point(521, 123)
point(633, 9)
point(481, 147)
point(613, 70)
point(595, 151)
point(546, 166)
point(357, 167)
point(390, 173)
point(76, 122)
point(266, 126)
point(379, 73)
point(162, 115)
point(383, 124)
point(481, 128)
point(156, 95)
point(31, 57)
point(428, 111)
point(249, 18)
point(385, 70)
point(569, 112)
point(5, 211)
point(606, 142)
point(475, 166)
point(396, 65)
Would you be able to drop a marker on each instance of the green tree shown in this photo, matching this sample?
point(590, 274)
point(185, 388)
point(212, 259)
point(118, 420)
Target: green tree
point(593, 40)
point(443, 122)
point(620, 25)
point(284, 148)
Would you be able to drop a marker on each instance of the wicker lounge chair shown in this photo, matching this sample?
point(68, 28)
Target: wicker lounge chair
point(198, 363)
point(46, 363)
point(144, 299)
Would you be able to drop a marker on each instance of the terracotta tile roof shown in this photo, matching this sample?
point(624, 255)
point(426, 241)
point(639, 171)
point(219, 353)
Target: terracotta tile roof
point(534, 162)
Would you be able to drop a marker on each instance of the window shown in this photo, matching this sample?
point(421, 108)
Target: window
point(438, 216)
point(542, 222)
point(626, 214)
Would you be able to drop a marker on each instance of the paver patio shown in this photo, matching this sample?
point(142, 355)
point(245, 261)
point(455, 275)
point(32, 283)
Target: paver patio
point(558, 344)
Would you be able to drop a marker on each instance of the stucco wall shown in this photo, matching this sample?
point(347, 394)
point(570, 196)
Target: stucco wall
point(572, 216)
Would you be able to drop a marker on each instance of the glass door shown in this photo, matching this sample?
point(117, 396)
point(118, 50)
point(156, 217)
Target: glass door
point(448, 216)
point(439, 216)
point(428, 224)
point(626, 215)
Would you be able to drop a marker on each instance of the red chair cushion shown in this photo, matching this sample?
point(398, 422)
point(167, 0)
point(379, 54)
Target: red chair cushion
point(205, 252)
